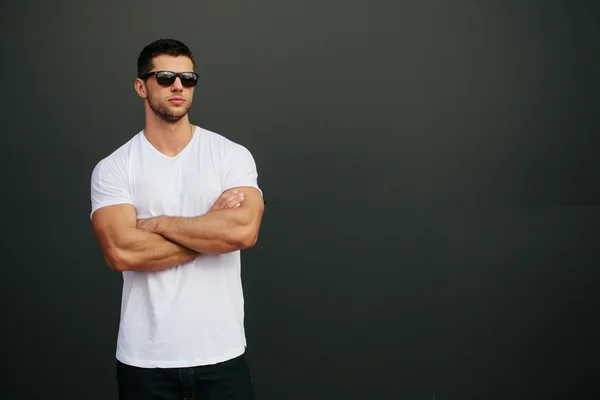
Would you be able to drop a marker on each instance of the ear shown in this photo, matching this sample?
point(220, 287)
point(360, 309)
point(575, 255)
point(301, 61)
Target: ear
point(140, 88)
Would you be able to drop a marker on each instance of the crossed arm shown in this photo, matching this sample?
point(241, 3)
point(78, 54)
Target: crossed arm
point(162, 242)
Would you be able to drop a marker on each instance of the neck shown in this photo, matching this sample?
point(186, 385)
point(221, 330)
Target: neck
point(168, 137)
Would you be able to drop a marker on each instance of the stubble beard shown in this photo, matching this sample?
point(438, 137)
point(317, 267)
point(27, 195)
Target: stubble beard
point(162, 111)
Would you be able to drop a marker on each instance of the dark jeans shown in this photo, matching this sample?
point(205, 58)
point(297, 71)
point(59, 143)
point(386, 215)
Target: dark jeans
point(227, 380)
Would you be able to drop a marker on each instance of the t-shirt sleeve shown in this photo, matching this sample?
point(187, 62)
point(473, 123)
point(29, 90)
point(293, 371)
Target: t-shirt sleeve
point(109, 185)
point(240, 169)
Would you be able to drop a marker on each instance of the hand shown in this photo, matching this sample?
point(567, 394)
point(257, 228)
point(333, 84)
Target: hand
point(231, 199)
point(148, 224)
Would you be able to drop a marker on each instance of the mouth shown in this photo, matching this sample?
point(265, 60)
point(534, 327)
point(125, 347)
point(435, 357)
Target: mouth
point(177, 100)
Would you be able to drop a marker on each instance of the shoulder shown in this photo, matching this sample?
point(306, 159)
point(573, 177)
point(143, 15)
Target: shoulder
point(116, 163)
point(220, 142)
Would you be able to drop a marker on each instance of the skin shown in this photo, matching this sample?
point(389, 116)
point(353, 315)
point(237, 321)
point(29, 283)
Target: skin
point(168, 127)
point(163, 242)
point(224, 231)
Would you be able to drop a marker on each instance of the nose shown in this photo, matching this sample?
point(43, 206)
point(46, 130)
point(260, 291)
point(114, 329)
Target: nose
point(177, 86)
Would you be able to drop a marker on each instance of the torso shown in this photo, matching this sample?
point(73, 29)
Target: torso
point(191, 314)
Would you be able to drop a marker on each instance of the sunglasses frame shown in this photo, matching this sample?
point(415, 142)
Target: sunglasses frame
point(176, 74)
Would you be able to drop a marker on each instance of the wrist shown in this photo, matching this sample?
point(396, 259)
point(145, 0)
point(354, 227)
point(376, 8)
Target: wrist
point(159, 226)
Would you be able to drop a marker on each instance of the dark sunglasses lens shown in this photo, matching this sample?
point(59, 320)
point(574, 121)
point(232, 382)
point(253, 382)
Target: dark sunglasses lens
point(188, 79)
point(165, 78)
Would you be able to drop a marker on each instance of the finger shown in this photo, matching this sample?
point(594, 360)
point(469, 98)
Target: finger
point(238, 200)
point(227, 197)
point(235, 200)
point(221, 200)
point(234, 203)
point(229, 200)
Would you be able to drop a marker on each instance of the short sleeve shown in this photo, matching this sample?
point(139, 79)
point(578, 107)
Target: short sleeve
point(109, 185)
point(240, 168)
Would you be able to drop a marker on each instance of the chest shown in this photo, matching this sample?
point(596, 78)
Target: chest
point(185, 187)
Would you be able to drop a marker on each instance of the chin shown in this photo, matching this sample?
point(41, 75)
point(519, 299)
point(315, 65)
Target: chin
point(170, 115)
point(172, 118)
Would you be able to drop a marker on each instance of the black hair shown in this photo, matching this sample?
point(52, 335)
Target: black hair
point(160, 47)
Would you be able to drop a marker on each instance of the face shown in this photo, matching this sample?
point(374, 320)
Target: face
point(173, 102)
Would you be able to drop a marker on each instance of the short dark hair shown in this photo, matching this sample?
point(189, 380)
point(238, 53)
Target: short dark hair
point(160, 47)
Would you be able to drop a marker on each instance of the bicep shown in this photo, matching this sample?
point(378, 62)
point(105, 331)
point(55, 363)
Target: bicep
point(241, 175)
point(111, 223)
point(252, 207)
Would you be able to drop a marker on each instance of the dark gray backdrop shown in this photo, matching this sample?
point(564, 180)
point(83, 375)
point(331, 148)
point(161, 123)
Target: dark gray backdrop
point(431, 176)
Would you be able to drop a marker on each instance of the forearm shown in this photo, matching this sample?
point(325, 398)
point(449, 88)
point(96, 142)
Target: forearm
point(139, 250)
point(217, 232)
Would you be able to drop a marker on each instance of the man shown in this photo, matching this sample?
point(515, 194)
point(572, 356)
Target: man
point(171, 210)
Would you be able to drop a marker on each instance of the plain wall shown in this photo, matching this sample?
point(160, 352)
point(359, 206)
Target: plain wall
point(431, 175)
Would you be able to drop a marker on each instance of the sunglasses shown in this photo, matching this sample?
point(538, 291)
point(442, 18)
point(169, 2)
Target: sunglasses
point(167, 78)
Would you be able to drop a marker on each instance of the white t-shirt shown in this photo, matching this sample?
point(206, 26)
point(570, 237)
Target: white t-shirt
point(191, 314)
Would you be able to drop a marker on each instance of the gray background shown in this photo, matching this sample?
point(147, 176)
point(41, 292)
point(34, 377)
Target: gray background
point(431, 176)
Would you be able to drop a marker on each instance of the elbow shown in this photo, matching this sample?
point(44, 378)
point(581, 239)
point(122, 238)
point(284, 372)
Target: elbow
point(249, 239)
point(247, 234)
point(246, 243)
point(117, 260)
